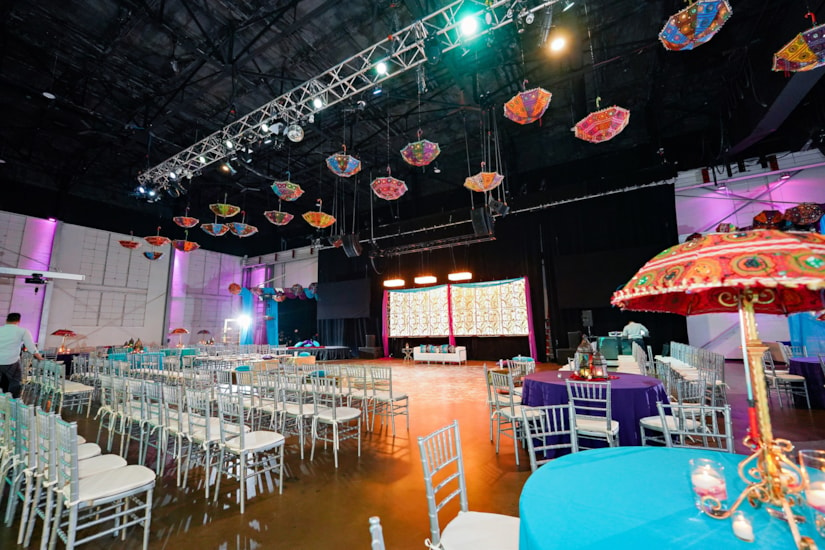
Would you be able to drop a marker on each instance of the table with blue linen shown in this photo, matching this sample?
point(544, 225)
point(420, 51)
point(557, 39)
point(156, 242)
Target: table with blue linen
point(810, 368)
point(632, 397)
point(633, 498)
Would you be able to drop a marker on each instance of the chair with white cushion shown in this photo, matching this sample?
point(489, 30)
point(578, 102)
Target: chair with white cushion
point(507, 410)
point(792, 385)
point(333, 422)
point(548, 428)
point(386, 401)
point(593, 416)
point(698, 426)
point(376, 534)
point(443, 465)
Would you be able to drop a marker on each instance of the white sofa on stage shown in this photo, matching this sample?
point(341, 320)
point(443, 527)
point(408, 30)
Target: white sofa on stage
point(434, 354)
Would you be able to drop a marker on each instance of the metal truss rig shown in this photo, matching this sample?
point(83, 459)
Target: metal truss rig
point(402, 50)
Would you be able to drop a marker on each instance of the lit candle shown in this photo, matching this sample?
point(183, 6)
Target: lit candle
point(816, 496)
point(742, 527)
point(707, 482)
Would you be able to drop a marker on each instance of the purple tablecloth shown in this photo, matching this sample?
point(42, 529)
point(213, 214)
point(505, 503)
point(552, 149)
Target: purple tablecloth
point(633, 397)
point(810, 369)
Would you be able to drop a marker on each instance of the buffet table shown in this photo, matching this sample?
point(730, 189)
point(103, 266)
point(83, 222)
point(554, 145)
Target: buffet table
point(810, 368)
point(633, 397)
point(636, 497)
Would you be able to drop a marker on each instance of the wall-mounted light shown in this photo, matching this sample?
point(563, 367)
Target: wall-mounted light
point(460, 276)
point(394, 283)
point(425, 280)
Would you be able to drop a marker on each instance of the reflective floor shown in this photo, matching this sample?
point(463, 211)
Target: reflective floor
point(322, 507)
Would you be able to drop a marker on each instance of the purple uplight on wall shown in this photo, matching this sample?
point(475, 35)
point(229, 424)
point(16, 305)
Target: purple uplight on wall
point(36, 254)
point(177, 290)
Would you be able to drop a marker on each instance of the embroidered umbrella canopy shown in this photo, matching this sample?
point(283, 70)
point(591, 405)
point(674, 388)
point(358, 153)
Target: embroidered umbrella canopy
point(185, 245)
point(695, 25)
point(483, 181)
point(276, 217)
point(186, 221)
point(806, 213)
point(527, 106)
point(319, 219)
point(421, 152)
point(234, 288)
point(388, 188)
point(180, 332)
point(152, 255)
point(242, 229)
point(805, 52)
point(760, 271)
point(224, 210)
point(65, 333)
point(602, 125)
point(131, 244)
point(215, 229)
point(287, 190)
point(344, 165)
point(157, 240)
point(768, 219)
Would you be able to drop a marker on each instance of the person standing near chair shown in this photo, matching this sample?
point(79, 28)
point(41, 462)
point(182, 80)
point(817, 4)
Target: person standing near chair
point(12, 337)
point(636, 332)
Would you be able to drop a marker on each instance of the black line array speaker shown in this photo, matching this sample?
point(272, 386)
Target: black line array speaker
point(482, 221)
point(352, 245)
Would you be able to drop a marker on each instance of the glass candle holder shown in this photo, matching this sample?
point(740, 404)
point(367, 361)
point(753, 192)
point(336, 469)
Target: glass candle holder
point(813, 471)
point(742, 527)
point(707, 478)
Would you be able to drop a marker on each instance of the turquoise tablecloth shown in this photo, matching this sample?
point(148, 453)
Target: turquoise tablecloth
point(634, 498)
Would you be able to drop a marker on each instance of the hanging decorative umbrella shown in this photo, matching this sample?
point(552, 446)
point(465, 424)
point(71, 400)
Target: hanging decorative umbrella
point(234, 288)
point(602, 125)
point(761, 271)
point(768, 219)
point(805, 52)
point(806, 213)
point(185, 245)
point(157, 240)
point(483, 181)
point(421, 152)
point(277, 217)
point(224, 210)
point(242, 229)
point(319, 219)
point(65, 333)
point(180, 332)
point(695, 25)
point(527, 106)
point(131, 244)
point(344, 165)
point(388, 188)
point(287, 190)
point(152, 255)
point(185, 221)
point(215, 229)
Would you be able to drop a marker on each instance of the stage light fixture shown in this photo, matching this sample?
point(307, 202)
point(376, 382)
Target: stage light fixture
point(295, 133)
point(499, 207)
point(227, 169)
point(265, 128)
point(152, 193)
point(49, 95)
point(529, 18)
point(460, 276)
point(318, 103)
point(244, 321)
point(381, 68)
point(202, 159)
point(425, 280)
point(141, 190)
point(377, 90)
point(468, 26)
point(228, 144)
point(568, 5)
point(557, 41)
point(173, 175)
point(394, 283)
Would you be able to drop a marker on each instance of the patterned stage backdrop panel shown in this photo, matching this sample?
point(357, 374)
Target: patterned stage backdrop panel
point(490, 309)
point(419, 313)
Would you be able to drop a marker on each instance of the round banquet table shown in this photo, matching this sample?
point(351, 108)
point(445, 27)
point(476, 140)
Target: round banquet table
point(809, 368)
point(632, 397)
point(634, 497)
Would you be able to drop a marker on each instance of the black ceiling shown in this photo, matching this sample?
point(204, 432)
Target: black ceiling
point(138, 81)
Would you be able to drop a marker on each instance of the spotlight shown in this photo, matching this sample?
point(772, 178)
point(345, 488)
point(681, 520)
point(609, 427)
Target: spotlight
point(425, 280)
point(244, 321)
point(202, 159)
point(785, 176)
point(377, 90)
point(265, 127)
point(468, 26)
point(318, 103)
point(49, 95)
point(436, 169)
point(557, 40)
point(394, 283)
point(173, 175)
point(228, 144)
point(152, 192)
point(227, 168)
point(568, 5)
point(381, 68)
point(529, 18)
point(141, 190)
point(460, 276)
point(295, 133)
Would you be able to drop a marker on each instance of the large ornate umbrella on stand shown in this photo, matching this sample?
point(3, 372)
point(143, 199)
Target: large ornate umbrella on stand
point(804, 215)
point(695, 25)
point(527, 106)
point(65, 333)
point(762, 271)
point(342, 164)
point(180, 332)
point(805, 52)
point(421, 152)
point(768, 219)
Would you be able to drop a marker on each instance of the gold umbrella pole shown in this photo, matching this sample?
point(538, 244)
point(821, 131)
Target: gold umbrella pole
point(771, 477)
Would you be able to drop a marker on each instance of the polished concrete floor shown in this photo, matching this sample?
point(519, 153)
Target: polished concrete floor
point(323, 507)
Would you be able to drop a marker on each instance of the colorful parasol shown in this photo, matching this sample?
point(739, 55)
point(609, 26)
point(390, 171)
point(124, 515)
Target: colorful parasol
point(65, 333)
point(131, 244)
point(157, 240)
point(527, 106)
point(319, 219)
point(180, 332)
point(242, 229)
point(186, 221)
point(602, 125)
point(224, 210)
point(483, 181)
point(287, 190)
point(344, 165)
point(421, 152)
point(806, 213)
point(821, 316)
point(695, 25)
point(204, 331)
point(761, 271)
point(234, 288)
point(277, 217)
point(152, 255)
point(185, 245)
point(725, 227)
point(215, 229)
point(805, 52)
point(768, 219)
point(388, 188)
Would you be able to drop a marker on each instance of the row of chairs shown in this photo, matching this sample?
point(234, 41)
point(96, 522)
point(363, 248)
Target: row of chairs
point(46, 385)
point(78, 493)
point(782, 382)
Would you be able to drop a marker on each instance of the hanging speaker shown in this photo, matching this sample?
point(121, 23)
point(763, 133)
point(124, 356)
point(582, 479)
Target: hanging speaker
point(482, 221)
point(352, 245)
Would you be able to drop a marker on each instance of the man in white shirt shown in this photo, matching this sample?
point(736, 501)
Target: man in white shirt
point(636, 332)
point(12, 337)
